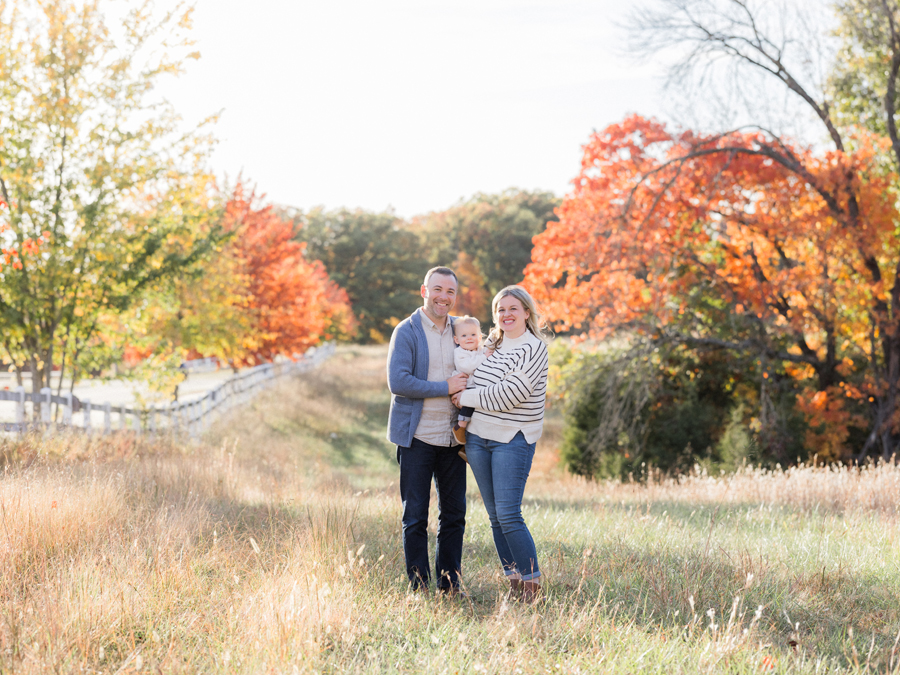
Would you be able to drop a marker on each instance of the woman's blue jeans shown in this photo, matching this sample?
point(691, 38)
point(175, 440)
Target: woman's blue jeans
point(501, 470)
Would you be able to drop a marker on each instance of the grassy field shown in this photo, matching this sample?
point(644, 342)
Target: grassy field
point(274, 546)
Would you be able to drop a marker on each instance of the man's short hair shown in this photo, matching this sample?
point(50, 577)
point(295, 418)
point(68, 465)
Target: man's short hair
point(439, 270)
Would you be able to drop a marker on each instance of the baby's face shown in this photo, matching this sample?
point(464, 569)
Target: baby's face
point(466, 336)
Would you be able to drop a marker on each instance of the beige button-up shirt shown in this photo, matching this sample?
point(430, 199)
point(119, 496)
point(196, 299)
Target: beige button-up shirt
point(435, 425)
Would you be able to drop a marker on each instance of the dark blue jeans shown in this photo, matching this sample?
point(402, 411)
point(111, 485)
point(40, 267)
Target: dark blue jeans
point(419, 465)
point(501, 470)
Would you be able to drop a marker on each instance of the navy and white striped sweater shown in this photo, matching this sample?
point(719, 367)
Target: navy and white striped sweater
point(508, 391)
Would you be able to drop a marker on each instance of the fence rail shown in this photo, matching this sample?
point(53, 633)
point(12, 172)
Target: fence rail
point(191, 417)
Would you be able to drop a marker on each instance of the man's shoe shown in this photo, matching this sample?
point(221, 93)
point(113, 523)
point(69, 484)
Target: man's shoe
point(459, 434)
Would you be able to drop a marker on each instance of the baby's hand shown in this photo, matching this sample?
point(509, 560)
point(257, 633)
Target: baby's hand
point(488, 351)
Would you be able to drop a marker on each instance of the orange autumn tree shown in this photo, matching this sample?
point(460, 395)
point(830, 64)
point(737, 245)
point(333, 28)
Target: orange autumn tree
point(473, 299)
point(739, 242)
point(256, 297)
point(293, 303)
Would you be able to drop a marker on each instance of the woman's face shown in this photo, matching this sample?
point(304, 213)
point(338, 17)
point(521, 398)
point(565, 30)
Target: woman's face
point(511, 316)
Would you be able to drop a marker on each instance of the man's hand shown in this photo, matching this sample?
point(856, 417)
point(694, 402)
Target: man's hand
point(457, 383)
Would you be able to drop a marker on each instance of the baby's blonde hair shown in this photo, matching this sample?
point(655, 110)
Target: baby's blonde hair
point(469, 319)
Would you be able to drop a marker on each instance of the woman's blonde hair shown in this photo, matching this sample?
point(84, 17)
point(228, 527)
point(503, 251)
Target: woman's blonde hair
point(535, 322)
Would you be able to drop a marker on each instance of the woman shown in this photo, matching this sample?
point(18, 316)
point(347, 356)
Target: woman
point(507, 392)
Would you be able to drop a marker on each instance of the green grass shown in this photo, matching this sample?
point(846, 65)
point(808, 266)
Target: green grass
point(274, 546)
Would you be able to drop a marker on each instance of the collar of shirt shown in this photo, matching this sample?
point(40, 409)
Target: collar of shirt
point(428, 323)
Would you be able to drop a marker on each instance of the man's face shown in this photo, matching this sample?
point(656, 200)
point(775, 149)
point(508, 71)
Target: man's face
point(466, 335)
point(439, 295)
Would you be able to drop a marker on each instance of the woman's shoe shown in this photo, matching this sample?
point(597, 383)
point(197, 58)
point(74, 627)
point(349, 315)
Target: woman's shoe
point(532, 592)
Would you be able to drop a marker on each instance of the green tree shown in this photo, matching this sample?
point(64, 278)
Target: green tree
point(867, 71)
point(494, 230)
point(104, 196)
point(374, 257)
point(631, 406)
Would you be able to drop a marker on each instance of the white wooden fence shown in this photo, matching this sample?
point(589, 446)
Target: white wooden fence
point(188, 417)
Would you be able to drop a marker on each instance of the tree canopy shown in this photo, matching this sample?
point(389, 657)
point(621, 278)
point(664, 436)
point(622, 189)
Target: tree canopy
point(746, 240)
point(375, 258)
point(489, 237)
point(115, 241)
point(103, 196)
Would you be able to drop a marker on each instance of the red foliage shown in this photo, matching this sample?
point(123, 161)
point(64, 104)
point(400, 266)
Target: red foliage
point(30, 246)
point(473, 298)
point(802, 249)
point(133, 354)
point(295, 303)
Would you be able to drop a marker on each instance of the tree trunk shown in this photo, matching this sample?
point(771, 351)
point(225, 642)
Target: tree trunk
point(35, 387)
point(889, 434)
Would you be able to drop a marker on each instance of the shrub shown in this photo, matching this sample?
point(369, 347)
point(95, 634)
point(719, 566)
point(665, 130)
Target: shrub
point(632, 407)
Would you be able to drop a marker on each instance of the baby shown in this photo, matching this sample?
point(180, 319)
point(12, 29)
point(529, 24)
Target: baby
point(471, 353)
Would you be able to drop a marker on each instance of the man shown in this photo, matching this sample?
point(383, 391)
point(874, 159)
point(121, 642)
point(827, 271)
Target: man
point(419, 369)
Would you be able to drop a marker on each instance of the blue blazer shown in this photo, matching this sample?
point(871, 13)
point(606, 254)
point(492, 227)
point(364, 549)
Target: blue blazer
point(407, 376)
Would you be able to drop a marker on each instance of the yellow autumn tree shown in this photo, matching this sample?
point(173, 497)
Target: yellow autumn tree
point(105, 196)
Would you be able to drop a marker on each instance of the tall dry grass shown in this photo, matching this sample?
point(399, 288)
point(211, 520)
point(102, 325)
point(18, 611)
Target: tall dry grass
point(837, 489)
point(274, 546)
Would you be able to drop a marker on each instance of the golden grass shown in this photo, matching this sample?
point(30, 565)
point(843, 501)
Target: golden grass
point(838, 489)
point(273, 546)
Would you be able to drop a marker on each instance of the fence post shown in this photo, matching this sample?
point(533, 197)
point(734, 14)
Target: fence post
point(45, 407)
point(107, 419)
point(192, 419)
point(67, 409)
point(123, 418)
point(152, 414)
point(136, 418)
point(87, 415)
point(20, 410)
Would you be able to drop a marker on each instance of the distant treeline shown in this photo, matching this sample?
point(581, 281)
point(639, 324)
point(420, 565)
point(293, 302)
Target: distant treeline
point(380, 259)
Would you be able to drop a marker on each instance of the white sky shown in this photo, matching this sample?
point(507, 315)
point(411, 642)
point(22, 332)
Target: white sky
point(409, 104)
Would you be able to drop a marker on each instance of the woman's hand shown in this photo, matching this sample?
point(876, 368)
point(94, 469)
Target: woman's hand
point(455, 398)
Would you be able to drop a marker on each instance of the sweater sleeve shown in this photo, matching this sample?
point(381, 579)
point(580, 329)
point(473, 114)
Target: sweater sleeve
point(513, 390)
point(402, 380)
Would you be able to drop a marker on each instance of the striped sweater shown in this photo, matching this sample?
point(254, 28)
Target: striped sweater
point(508, 391)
